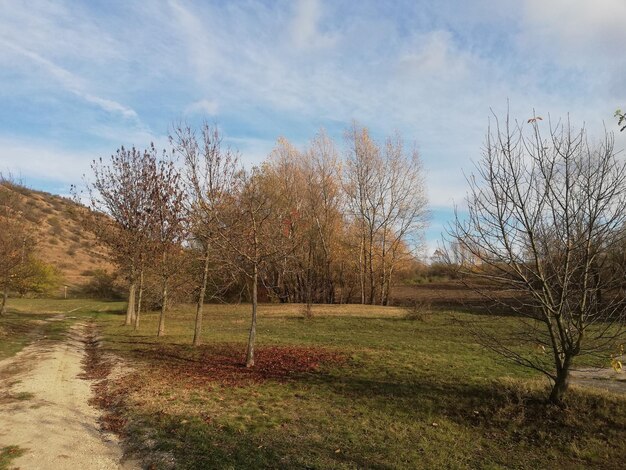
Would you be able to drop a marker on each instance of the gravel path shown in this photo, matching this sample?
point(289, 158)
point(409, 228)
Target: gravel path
point(45, 409)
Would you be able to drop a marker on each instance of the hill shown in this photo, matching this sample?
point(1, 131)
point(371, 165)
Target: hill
point(60, 238)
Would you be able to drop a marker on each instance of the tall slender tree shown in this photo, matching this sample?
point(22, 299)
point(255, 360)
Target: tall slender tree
point(387, 203)
point(210, 177)
point(168, 225)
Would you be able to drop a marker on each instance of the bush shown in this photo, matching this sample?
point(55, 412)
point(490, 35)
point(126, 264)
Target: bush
point(38, 278)
point(103, 285)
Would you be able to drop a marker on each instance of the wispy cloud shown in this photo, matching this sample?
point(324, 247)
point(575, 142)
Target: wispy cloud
point(77, 76)
point(70, 81)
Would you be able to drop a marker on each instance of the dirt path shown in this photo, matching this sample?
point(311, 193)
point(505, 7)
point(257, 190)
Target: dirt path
point(604, 379)
point(45, 409)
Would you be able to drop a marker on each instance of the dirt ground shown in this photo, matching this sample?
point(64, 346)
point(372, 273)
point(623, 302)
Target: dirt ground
point(44, 409)
point(604, 379)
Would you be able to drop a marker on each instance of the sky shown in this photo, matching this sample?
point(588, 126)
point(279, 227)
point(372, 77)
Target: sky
point(80, 79)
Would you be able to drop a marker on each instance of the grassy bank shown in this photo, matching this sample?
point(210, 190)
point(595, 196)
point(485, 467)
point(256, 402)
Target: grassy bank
point(353, 387)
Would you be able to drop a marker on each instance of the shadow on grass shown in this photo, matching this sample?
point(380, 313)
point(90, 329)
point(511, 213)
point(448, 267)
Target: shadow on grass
point(499, 416)
point(506, 409)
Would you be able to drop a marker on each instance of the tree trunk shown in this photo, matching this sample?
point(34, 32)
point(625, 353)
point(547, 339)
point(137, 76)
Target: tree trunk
point(372, 275)
point(561, 383)
point(383, 267)
point(387, 287)
point(139, 297)
point(161, 331)
point(252, 337)
point(197, 333)
point(3, 306)
point(309, 286)
point(130, 309)
point(362, 268)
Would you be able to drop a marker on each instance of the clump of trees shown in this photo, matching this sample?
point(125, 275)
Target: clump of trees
point(546, 218)
point(308, 225)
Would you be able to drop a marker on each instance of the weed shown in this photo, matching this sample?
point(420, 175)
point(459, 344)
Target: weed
point(8, 454)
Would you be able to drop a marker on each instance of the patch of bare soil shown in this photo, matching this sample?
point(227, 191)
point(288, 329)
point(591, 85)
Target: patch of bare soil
point(51, 417)
point(605, 379)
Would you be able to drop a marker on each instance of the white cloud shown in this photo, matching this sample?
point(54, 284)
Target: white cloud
point(197, 37)
point(575, 32)
point(43, 161)
point(206, 107)
point(305, 26)
point(433, 55)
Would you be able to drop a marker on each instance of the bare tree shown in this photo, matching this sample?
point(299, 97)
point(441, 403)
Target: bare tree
point(325, 204)
point(364, 173)
point(403, 211)
point(210, 176)
point(245, 234)
point(386, 198)
point(120, 214)
point(167, 225)
point(545, 216)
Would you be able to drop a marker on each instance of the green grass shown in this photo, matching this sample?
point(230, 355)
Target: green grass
point(8, 454)
point(28, 320)
point(409, 394)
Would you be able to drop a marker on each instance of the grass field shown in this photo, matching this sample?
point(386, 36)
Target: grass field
point(354, 387)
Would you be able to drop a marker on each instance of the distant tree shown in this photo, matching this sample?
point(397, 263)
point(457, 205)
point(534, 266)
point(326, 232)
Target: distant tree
point(102, 285)
point(364, 174)
point(544, 216)
point(387, 201)
point(35, 276)
point(325, 204)
point(305, 188)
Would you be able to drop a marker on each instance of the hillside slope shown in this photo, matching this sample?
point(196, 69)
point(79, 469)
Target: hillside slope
point(60, 238)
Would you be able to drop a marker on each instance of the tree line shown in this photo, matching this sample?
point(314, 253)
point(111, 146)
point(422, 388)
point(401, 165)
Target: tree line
point(321, 224)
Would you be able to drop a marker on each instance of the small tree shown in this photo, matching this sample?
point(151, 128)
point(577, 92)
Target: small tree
point(120, 212)
point(247, 238)
point(167, 225)
point(37, 277)
point(545, 218)
point(210, 171)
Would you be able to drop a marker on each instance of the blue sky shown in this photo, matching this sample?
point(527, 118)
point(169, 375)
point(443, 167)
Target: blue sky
point(79, 79)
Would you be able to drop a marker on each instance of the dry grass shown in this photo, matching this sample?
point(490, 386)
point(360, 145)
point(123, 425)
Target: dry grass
point(61, 240)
